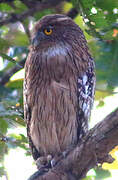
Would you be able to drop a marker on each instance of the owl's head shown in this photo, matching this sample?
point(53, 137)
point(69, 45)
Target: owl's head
point(55, 29)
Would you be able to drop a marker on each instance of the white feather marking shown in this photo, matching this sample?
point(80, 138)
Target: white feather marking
point(62, 19)
point(85, 86)
point(86, 89)
point(57, 50)
point(85, 78)
point(84, 106)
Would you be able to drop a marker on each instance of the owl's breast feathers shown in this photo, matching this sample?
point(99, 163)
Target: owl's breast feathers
point(54, 79)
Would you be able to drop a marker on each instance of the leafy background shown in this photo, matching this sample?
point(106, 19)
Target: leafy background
point(99, 21)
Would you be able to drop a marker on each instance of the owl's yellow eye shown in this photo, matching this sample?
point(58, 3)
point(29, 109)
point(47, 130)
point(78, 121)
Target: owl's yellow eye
point(48, 31)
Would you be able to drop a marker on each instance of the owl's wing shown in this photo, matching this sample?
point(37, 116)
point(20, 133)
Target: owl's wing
point(85, 95)
point(27, 115)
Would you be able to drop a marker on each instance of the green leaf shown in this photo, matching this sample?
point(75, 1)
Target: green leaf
point(107, 5)
point(20, 7)
point(16, 84)
point(98, 19)
point(101, 173)
point(39, 15)
point(3, 125)
point(19, 39)
point(4, 44)
point(87, 5)
point(4, 7)
point(2, 171)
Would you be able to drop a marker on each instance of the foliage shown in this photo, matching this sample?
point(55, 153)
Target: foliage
point(99, 21)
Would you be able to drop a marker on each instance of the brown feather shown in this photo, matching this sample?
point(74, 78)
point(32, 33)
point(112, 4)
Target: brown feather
point(51, 86)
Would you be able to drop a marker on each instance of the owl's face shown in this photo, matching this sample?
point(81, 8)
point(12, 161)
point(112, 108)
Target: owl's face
point(55, 29)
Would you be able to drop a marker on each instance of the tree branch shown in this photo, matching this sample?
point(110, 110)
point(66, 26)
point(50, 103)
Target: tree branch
point(38, 6)
point(73, 13)
point(7, 75)
point(93, 149)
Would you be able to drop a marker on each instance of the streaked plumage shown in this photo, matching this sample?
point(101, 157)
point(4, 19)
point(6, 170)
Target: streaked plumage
point(59, 86)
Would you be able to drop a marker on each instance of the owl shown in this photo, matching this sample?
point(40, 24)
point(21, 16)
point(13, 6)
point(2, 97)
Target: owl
point(59, 86)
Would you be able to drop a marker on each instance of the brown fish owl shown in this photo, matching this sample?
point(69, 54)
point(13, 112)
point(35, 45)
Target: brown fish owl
point(59, 86)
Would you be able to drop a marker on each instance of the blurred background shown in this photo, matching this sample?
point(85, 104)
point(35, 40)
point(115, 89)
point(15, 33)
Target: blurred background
point(99, 21)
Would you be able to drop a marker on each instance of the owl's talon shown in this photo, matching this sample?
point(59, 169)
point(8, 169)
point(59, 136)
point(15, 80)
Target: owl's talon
point(64, 153)
point(49, 158)
point(56, 159)
point(53, 162)
point(44, 162)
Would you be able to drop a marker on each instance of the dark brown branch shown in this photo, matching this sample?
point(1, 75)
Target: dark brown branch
point(73, 13)
point(7, 75)
point(93, 149)
point(33, 7)
point(5, 1)
point(38, 6)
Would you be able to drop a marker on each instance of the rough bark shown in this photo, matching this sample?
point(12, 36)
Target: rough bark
point(93, 149)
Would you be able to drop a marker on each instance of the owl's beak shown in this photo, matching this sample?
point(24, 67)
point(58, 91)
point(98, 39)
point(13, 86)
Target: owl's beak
point(35, 41)
point(38, 38)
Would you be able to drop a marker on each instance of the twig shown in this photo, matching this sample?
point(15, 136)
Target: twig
point(5, 78)
point(27, 31)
